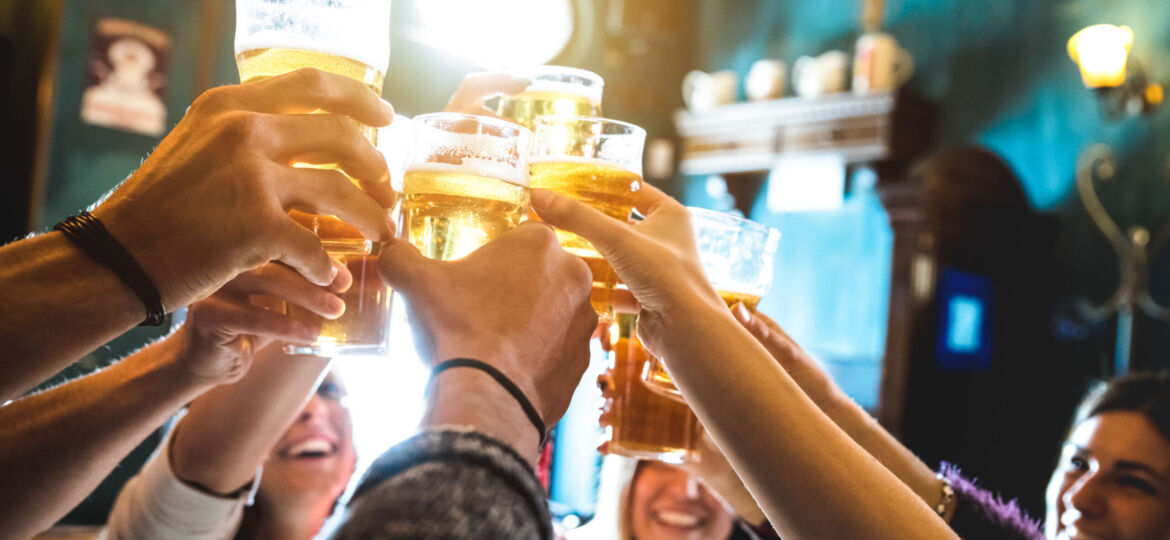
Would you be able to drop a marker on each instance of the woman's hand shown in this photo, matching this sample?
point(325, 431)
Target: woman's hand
point(223, 330)
point(639, 253)
point(799, 364)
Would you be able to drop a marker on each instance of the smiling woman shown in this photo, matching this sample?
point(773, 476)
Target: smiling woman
point(201, 480)
point(667, 503)
point(1113, 478)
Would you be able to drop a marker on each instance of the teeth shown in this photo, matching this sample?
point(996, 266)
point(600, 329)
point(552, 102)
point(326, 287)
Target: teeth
point(678, 519)
point(319, 446)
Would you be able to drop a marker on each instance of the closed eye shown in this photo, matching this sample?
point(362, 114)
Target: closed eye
point(1138, 484)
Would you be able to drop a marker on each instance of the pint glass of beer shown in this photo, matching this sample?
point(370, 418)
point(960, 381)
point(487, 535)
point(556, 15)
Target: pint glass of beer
point(466, 184)
point(554, 91)
point(644, 424)
point(349, 38)
point(737, 255)
point(598, 162)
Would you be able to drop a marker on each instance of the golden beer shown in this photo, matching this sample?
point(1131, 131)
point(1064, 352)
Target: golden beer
point(645, 424)
point(365, 323)
point(526, 106)
point(451, 210)
point(366, 302)
point(655, 375)
point(731, 298)
point(611, 189)
point(259, 64)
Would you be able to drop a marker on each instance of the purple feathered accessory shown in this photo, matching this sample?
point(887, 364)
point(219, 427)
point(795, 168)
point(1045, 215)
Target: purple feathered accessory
point(981, 514)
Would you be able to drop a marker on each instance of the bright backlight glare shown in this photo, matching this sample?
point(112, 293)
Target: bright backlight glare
point(498, 33)
point(1100, 51)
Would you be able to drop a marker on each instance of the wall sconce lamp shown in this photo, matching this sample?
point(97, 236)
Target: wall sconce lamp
point(1101, 51)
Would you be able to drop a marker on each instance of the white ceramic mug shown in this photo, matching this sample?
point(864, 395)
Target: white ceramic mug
point(880, 64)
point(765, 80)
point(824, 74)
point(703, 91)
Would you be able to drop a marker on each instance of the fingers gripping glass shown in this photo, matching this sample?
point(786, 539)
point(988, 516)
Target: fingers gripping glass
point(351, 39)
point(596, 161)
point(737, 256)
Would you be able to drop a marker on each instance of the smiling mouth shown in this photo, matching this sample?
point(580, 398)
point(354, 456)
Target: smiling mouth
point(678, 520)
point(313, 448)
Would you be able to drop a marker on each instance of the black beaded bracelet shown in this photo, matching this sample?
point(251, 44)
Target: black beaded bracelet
point(504, 381)
point(88, 234)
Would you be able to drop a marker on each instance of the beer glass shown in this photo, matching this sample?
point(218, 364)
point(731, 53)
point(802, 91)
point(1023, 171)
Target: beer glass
point(644, 424)
point(598, 162)
point(352, 39)
point(466, 184)
point(554, 91)
point(737, 256)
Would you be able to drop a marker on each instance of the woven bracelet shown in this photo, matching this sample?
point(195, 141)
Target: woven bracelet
point(505, 382)
point(88, 234)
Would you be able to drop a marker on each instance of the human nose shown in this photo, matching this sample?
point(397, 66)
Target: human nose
point(1085, 495)
point(316, 408)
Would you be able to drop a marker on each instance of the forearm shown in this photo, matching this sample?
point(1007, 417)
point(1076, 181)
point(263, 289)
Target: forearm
point(230, 431)
point(879, 443)
point(56, 305)
point(809, 477)
point(739, 498)
point(469, 398)
point(58, 445)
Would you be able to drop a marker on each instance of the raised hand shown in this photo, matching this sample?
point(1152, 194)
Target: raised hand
point(519, 303)
point(213, 199)
point(639, 252)
point(477, 87)
point(223, 330)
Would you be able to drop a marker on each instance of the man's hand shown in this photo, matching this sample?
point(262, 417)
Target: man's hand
point(222, 331)
point(213, 199)
point(519, 303)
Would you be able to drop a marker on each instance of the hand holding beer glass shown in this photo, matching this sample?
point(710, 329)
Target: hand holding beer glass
point(467, 183)
point(737, 256)
point(351, 39)
point(553, 91)
point(641, 423)
point(596, 161)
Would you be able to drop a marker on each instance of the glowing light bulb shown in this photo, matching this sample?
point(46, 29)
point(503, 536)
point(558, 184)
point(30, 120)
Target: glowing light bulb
point(1101, 51)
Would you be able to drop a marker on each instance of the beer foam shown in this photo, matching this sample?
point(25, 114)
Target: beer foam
point(476, 167)
point(592, 93)
point(582, 160)
point(356, 29)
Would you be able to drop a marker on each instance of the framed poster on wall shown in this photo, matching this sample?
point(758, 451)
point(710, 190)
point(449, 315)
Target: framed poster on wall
point(125, 77)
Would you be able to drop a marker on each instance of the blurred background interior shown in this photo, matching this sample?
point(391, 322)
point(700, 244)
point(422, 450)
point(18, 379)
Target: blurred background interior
point(957, 250)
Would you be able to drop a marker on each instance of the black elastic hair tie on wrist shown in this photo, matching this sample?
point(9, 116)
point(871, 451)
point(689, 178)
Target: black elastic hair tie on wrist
point(504, 381)
point(88, 234)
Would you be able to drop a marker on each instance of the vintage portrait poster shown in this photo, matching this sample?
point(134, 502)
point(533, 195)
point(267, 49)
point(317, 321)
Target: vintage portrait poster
point(126, 74)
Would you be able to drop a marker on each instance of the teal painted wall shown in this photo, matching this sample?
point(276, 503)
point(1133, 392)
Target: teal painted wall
point(1001, 76)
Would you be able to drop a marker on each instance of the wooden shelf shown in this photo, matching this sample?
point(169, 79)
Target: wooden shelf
point(749, 137)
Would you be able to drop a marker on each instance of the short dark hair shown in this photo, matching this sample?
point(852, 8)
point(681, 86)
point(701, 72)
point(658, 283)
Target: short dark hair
point(1144, 393)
